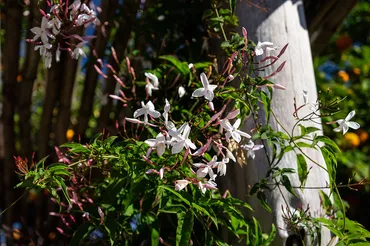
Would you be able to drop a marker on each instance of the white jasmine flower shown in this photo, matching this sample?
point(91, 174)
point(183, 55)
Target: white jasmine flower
point(264, 47)
point(345, 124)
point(44, 47)
point(161, 172)
point(201, 187)
point(211, 106)
point(152, 83)
point(312, 106)
point(55, 8)
point(166, 110)
point(42, 32)
point(169, 125)
point(159, 143)
point(86, 9)
point(210, 185)
point(57, 54)
point(221, 166)
point(84, 19)
point(232, 130)
point(206, 91)
point(279, 86)
point(75, 6)
point(181, 91)
point(230, 155)
point(250, 147)
point(181, 139)
point(153, 78)
point(181, 184)
point(146, 110)
point(78, 50)
point(204, 169)
point(229, 116)
point(55, 24)
point(48, 58)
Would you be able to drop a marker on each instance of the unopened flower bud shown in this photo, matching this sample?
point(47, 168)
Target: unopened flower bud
point(181, 91)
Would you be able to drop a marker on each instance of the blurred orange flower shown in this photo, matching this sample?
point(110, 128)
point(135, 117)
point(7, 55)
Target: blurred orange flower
point(363, 135)
point(16, 234)
point(343, 42)
point(356, 71)
point(69, 134)
point(352, 139)
point(343, 75)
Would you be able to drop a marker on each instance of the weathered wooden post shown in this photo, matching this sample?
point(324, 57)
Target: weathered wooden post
point(282, 22)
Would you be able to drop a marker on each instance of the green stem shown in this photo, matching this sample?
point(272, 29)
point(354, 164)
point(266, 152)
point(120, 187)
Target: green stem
point(267, 155)
point(221, 24)
point(343, 208)
point(17, 200)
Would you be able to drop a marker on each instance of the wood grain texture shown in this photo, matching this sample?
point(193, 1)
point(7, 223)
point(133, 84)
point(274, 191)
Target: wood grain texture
point(282, 22)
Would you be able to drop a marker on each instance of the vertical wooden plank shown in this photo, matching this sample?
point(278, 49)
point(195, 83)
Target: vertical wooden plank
point(281, 22)
point(10, 61)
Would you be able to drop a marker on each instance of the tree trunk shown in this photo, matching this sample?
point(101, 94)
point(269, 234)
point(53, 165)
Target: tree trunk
point(91, 79)
point(13, 21)
point(129, 10)
point(65, 96)
point(54, 77)
point(282, 22)
point(29, 73)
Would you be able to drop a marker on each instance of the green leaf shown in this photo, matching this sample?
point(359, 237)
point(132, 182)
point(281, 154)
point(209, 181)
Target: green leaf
point(302, 169)
point(360, 244)
point(207, 13)
point(271, 236)
point(217, 19)
point(58, 169)
point(82, 232)
point(303, 145)
point(185, 222)
point(202, 65)
point(225, 44)
point(181, 66)
point(25, 183)
point(63, 186)
point(235, 222)
point(129, 210)
point(326, 202)
point(257, 232)
point(109, 141)
point(307, 130)
point(175, 193)
point(263, 201)
point(155, 236)
point(41, 163)
point(172, 209)
point(331, 164)
point(331, 226)
point(266, 100)
point(286, 182)
point(76, 147)
point(328, 142)
point(203, 210)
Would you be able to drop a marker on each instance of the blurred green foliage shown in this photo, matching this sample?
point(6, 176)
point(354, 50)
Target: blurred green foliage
point(343, 70)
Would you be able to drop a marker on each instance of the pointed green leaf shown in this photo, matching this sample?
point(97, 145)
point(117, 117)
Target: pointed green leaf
point(263, 201)
point(181, 66)
point(286, 182)
point(302, 169)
